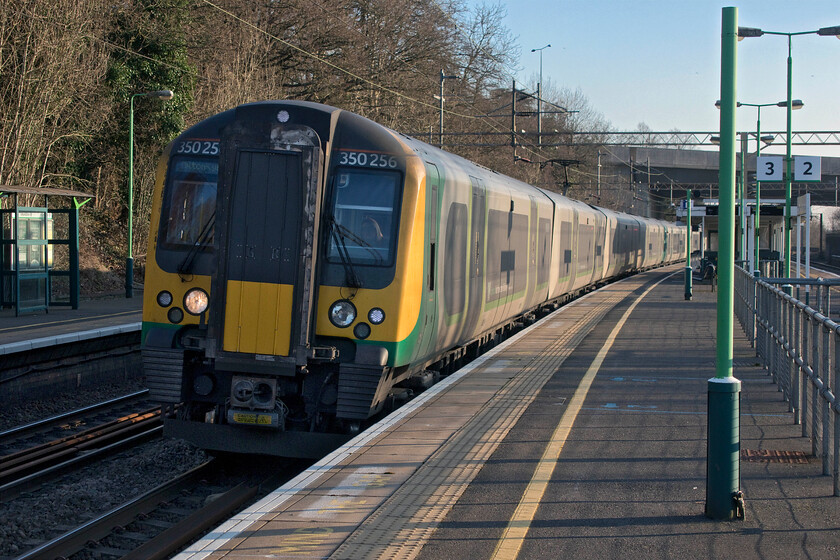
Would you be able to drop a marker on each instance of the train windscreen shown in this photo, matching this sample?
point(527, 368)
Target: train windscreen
point(190, 204)
point(363, 217)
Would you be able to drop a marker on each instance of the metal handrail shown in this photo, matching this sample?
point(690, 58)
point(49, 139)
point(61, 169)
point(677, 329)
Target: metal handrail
point(800, 347)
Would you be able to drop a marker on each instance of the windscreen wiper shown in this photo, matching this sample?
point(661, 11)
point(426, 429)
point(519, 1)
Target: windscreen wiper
point(338, 233)
point(200, 243)
point(347, 234)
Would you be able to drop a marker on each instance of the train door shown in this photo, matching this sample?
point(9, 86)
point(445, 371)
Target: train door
point(261, 263)
point(429, 309)
point(533, 230)
point(475, 278)
point(599, 242)
point(266, 214)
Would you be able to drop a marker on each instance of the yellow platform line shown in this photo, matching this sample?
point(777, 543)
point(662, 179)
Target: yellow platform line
point(514, 535)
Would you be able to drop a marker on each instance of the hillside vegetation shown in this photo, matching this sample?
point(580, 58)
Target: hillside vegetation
point(69, 68)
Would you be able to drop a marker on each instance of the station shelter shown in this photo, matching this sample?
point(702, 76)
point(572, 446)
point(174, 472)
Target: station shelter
point(39, 249)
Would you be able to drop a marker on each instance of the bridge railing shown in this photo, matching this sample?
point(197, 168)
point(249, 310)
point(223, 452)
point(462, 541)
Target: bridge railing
point(800, 348)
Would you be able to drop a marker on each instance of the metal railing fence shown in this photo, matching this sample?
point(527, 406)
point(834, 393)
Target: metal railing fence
point(800, 347)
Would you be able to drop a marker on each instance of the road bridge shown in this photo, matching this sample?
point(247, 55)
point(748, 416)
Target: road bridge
point(666, 174)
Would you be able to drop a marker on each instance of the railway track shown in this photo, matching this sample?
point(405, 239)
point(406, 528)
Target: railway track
point(160, 522)
point(48, 429)
point(830, 272)
point(832, 269)
point(28, 468)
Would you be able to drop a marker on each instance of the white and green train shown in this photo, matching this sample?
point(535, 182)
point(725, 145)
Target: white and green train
point(306, 265)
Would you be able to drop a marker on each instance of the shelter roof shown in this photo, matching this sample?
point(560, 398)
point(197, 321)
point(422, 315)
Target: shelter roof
point(43, 191)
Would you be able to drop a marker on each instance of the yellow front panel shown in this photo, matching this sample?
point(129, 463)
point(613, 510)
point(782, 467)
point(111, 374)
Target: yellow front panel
point(402, 298)
point(258, 318)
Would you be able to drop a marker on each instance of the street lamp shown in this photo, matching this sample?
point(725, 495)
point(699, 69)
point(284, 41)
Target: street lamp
point(744, 32)
point(796, 104)
point(440, 124)
point(767, 139)
point(129, 261)
point(539, 96)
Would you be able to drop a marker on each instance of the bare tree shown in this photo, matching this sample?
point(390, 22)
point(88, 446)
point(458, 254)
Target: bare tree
point(50, 67)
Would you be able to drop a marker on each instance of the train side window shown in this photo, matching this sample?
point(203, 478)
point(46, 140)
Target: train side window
point(455, 256)
point(364, 219)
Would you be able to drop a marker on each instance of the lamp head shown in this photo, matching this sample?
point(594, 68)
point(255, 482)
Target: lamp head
point(830, 31)
point(717, 104)
point(165, 94)
point(744, 32)
point(795, 104)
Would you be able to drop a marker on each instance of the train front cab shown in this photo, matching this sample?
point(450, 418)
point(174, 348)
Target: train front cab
point(293, 294)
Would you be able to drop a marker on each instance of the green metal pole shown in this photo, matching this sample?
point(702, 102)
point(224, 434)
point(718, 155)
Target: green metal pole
point(788, 159)
point(723, 470)
point(129, 261)
point(757, 194)
point(73, 242)
point(688, 280)
point(742, 210)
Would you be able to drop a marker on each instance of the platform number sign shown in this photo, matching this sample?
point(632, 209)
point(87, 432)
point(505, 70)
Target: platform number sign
point(806, 168)
point(770, 168)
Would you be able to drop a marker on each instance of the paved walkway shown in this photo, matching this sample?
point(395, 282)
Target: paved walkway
point(631, 479)
point(583, 437)
point(92, 314)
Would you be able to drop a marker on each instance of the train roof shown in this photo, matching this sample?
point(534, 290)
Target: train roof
point(344, 128)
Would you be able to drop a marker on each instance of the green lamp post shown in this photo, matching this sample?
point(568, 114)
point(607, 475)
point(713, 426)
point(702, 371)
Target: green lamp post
point(129, 261)
point(768, 139)
point(744, 32)
point(723, 470)
point(688, 270)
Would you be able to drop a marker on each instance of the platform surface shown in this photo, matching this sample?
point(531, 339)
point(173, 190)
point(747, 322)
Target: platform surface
point(581, 437)
point(92, 315)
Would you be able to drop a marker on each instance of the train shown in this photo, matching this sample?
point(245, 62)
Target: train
point(308, 268)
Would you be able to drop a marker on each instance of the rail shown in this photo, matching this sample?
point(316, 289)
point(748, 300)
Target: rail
point(800, 347)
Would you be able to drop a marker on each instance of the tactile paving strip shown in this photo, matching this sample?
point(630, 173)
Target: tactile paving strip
point(403, 524)
point(773, 456)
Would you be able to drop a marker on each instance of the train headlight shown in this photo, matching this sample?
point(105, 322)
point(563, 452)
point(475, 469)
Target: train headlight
point(342, 313)
point(196, 300)
point(175, 315)
point(376, 316)
point(362, 331)
point(164, 299)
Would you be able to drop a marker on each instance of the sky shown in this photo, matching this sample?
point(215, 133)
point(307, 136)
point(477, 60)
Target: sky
point(658, 61)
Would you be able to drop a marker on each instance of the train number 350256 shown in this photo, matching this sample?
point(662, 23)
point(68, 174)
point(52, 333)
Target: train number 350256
point(367, 159)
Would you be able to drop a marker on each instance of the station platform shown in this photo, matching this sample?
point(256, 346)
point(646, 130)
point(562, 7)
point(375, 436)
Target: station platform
point(583, 436)
point(94, 318)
